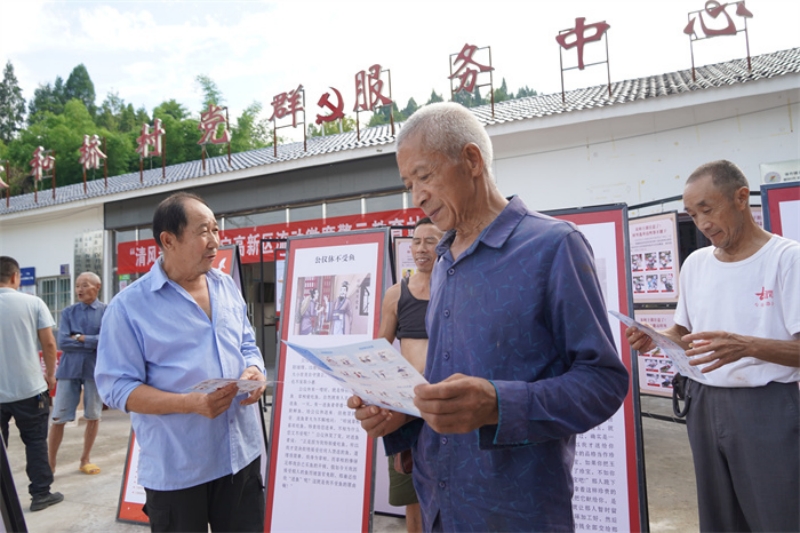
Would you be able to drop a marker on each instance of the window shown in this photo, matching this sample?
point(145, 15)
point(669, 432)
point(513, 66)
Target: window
point(56, 293)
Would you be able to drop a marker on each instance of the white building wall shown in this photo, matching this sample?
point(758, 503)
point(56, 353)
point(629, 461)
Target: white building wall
point(644, 156)
point(47, 241)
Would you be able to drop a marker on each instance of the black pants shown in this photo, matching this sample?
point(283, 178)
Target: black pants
point(31, 416)
point(230, 503)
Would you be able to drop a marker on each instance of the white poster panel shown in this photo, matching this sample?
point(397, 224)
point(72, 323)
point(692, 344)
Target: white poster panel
point(654, 258)
point(134, 492)
point(655, 367)
point(600, 471)
point(320, 453)
point(790, 219)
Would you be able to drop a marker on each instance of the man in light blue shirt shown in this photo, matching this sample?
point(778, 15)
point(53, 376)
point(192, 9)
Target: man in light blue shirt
point(180, 324)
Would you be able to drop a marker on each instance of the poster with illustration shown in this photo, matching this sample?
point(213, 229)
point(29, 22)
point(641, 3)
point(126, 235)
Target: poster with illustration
point(333, 287)
point(654, 258)
point(655, 367)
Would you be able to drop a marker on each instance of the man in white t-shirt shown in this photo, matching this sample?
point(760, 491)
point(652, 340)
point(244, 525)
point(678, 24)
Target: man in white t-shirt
point(739, 317)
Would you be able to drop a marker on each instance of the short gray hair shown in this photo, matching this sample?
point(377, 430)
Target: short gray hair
point(447, 127)
point(726, 176)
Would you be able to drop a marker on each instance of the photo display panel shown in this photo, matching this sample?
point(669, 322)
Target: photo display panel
point(319, 455)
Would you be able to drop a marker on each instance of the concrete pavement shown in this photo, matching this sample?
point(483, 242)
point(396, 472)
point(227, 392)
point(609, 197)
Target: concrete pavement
point(90, 502)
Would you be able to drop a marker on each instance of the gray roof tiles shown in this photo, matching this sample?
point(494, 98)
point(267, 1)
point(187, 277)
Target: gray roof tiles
point(711, 76)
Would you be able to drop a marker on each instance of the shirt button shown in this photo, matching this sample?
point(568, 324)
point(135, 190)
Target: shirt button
point(447, 355)
point(451, 271)
point(444, 440)
point(442, 484)
point(446, 313)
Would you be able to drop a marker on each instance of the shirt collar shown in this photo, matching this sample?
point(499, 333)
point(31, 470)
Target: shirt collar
point(94, 305)
point(159, 277)
point(497, 232)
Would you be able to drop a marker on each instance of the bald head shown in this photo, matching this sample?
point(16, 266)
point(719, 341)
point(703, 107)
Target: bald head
point(87, 287)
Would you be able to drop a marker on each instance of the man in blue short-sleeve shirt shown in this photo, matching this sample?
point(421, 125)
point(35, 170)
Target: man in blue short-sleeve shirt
point(521, 356)
point(181, 324)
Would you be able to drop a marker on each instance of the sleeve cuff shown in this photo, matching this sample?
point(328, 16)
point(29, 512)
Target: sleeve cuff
point(404, 438)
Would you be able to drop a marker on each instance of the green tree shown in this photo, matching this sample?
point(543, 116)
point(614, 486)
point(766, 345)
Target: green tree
point(79, 86)
point(473, 99)
point(47, 98)
point(434, 98)
point(173, 109)
point(62, 133)
point(410, 108)
point(12, 105)
point(332, 128)
point(211, 93)
point(181, 135)
point(115, 116)
point(501, 94)
point(525, 91)
point(381, 116)
point(250, 133)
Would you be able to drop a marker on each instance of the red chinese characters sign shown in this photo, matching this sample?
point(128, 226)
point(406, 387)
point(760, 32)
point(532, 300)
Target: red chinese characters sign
point(149, 142)
point(42, 163)
point(210, 120)
point(139, 256)
point(467, 68)
point(91, 155)
point(581, 36)
point(713, 10)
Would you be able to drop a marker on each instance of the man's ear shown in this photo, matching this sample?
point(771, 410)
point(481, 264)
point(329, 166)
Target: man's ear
point(473, 158)
point(167, 240)
point(742, 198)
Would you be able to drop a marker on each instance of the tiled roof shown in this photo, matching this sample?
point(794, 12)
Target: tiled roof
point(710, 76)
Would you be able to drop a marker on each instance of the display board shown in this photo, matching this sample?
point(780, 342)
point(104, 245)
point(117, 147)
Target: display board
point(404, 265)
point(319, 455)
point(654, 258)
point(132, 495)
point(608, 472)
point(655, 367)
point(781, 206)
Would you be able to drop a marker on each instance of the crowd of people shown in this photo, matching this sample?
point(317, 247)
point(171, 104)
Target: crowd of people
point(505, 317)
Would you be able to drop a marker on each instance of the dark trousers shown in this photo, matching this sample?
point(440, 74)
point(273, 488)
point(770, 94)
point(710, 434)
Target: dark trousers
point(230, 503)
point(31, 416)
point(746, 448)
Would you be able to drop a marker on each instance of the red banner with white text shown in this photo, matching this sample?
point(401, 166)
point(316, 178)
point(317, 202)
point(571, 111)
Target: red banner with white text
point(139, 256)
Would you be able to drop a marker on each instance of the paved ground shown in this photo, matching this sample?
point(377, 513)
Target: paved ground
point(90, 503)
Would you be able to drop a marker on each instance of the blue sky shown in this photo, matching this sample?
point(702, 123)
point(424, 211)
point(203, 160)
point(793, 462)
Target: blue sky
point(150, 51)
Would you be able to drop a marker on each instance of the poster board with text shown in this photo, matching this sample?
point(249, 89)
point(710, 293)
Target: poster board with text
point(608, 472)
point(319, 455)
point(654, 258)
point(655, 367)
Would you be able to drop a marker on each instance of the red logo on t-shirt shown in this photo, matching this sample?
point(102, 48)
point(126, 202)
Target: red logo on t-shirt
point(763, 297)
